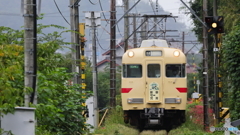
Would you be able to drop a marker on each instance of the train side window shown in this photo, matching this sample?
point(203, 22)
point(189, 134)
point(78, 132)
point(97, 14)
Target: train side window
point(153, 70)
point(132, 71)
point(175, 70)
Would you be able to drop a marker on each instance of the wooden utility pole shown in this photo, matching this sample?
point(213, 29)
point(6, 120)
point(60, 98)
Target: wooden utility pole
point(205, 70)
point(134, 34)
point(183, 43)
point(113, 54)
point(217, 106)
point(75, 40)
point(30, 49)
point(126, 25)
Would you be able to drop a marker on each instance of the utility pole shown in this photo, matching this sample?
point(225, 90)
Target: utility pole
point(183, 35)
point(205, 70)
point(30, 49)
point(113, 54)
point(75, 40)
point(134, 34)
point(217, 103)
point(94, 69)
point(126, 25)
point(93, 20)
point(144, 29)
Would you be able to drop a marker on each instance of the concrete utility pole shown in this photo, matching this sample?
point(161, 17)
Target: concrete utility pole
point(113, 54)
point(94, 70)
point(205, 70)
point(75, 40)
point(126, 25)
point(93, 20)
point(30, 49)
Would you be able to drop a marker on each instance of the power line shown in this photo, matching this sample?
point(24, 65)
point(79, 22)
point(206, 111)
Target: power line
point(102, 10)
point(92, 2)
point(152, 6)
point(60, 12)
point(99, 43)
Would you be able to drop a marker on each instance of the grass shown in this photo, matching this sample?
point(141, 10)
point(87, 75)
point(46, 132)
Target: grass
point(114, 125)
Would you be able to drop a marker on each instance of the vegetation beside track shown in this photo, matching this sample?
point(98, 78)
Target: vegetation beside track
point(114, 125)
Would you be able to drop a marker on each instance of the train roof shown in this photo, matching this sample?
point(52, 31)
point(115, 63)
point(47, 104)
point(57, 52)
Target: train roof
point(154, 42)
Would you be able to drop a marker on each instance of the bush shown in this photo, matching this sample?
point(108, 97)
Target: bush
point(60, 106)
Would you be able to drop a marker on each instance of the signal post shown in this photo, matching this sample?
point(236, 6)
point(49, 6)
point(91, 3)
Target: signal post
point(215, 26)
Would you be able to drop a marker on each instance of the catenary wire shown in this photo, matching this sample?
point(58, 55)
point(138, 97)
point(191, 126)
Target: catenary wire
point(61, 12)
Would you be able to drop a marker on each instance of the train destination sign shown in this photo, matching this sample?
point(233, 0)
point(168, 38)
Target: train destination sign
point(153, 53)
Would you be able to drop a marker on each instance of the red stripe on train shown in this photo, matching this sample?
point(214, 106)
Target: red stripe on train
point(182, 90)
point(126, 90)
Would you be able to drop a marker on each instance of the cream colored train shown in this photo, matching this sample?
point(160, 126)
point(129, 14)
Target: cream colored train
point(154, 85)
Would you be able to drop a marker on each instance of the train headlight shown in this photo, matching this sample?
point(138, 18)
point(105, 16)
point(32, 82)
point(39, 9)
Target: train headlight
point(173, 100)
point(176, 53)
point(178, 100)
point(135, 100)
point(129, 100)
point(130, 54)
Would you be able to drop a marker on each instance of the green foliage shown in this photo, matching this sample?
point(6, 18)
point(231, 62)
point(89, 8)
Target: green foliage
point(60, 106)
point(190, 127)
point(11, 67)
point(11, 77)
point(5, 132)
point(114, 125)
point(230, 9)
point(10, 36)
point(104, 84)
point(231, 60)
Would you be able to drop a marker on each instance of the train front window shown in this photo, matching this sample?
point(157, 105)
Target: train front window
point(132, 71)
point(153, 70)
point(175, 70)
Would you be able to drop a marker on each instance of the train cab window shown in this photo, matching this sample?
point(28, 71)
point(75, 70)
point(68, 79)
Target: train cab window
point(153, 70)
point(132, 71)
point(175, 70)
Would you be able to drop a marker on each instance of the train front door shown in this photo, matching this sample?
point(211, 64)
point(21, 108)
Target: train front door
point(154, 85)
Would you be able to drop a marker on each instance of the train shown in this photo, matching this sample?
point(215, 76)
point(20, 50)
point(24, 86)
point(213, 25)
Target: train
point(154, 85)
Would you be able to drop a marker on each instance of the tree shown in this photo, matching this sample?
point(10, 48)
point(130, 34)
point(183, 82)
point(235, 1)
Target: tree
point(11, 77)
point(230, 69)
point(53, 112)
point(231, 12)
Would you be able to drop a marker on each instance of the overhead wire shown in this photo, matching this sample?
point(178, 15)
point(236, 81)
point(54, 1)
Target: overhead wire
point(107, 22)
point(102, 11)
point(92, 2)
point(99, 42)
point(151, 2)
point(61, 12)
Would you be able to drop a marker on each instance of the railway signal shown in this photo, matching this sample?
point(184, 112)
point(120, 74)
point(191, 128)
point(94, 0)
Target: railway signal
point(215, 24)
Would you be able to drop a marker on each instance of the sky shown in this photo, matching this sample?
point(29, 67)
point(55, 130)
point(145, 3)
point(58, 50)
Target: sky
point(52, 14)
point(173, 6)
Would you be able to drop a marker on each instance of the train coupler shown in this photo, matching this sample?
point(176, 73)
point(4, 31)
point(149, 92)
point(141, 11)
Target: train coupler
point(153, 112)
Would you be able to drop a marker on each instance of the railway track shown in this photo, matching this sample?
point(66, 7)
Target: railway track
point(153, 132)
